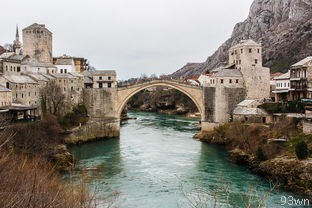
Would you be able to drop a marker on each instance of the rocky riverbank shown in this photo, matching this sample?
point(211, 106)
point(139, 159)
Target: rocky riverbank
point(275, 161)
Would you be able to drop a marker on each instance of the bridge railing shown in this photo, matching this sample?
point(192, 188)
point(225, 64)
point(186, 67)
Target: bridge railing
point(170, 81)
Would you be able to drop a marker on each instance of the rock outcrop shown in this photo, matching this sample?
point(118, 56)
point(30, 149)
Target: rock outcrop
point(284, 27)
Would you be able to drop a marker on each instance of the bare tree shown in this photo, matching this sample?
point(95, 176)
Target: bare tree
point(52, 98)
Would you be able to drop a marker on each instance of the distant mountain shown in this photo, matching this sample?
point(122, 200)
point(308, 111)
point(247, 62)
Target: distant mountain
point(284, 27)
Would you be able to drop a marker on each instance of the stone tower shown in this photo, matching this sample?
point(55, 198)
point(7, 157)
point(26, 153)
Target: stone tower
point(37, 40)
point(247, 57)
point(17, 44)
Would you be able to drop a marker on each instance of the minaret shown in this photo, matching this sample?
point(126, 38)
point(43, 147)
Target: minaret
point(17, 44)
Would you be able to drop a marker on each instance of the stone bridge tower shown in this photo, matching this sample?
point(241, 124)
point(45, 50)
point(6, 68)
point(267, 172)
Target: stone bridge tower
point(37, 41)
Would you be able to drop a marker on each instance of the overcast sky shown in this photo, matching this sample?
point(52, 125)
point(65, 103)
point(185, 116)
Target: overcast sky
point(130, 36)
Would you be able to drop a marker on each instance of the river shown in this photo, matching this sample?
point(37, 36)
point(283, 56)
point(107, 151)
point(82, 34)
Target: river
point(157, 163)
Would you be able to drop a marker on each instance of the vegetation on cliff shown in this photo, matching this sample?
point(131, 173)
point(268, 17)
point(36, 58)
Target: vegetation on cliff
point(267, 149)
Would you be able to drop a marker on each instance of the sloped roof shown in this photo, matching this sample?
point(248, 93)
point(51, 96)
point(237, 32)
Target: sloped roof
point(246, 102)
point(4, 89)
point(63, 76)
point(34, 63)
point(283, 76)
point(6, 55)
point(247, 42)
point(228, 73)
point(248, 111)
point(64, 61)
point(39, 77)
point(276, 74)
point(103, 73)
point(87, 80)
point(303, 61)
point(20, 79)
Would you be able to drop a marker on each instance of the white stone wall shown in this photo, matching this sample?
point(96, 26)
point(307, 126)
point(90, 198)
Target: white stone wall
point(37, 69)
point(10, 68)
point(63, 69)
point(5, 98)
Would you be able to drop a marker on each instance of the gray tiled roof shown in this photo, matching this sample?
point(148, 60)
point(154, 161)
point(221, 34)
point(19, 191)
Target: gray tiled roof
point(19, 79)
point(103, 73)
point(228, 73)
point(64, 61)
point(34, 63)
point(303, 61)
point(4, 89)
point(34, 26)
point(63, 76)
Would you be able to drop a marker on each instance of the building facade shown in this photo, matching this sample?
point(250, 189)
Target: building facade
point(37, 40)
point(301, 79)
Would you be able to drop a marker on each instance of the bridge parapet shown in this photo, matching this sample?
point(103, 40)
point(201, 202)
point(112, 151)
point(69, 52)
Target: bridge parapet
point(151, 82)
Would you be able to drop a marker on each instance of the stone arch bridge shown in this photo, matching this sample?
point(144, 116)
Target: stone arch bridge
point(195, 93)
point(105, 105)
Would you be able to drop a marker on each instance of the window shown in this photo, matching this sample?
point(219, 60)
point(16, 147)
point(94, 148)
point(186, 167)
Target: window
point(72, 88)
point(240, 61)
point(235, 52)
point(258, 50)
point(221, 81)
point(109, 78)
point(100, 85)
point(250, 50)
point(65, 71)
point(230, 81)
point(8, 85)
point(61, 71)
point(242, 51)
point(236, 81)
point(100, 78)
point(11, 68)
point(256, 61)
point(18, 69)
point(6, 68)
point(109, 85)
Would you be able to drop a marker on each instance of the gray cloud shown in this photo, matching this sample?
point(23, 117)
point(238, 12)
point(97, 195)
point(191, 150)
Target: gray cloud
point(131, 36)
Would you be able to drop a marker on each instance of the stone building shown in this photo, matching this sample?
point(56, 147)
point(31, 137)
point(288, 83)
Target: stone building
point(37, 40)
point(282, 86)
point(31, 65)
point(25, 90)
point(80, 64)
point(5, 96)
point(100, 79)
point(301, 79)
point(10, 63)
point(247, 57)
point(65, 64)
point(248, 111)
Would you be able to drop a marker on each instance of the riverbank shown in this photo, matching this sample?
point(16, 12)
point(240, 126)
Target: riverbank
point(268, 151)
point(31, 156)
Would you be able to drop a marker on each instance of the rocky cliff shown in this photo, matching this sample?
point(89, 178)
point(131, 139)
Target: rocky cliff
point(284, 27)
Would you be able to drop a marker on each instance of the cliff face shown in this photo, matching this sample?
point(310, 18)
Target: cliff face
point(284, 27)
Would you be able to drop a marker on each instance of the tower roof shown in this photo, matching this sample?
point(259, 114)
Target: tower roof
point(248, 42)
point(36, 26)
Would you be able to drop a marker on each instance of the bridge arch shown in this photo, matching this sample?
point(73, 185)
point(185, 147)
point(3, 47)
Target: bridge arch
point(195, 93)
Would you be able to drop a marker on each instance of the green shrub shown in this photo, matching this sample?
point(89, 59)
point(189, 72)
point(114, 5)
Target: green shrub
point(302, 150)
point(74, 118)
point(260, 154)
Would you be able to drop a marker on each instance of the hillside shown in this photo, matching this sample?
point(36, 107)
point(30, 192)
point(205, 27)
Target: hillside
point(284, 27)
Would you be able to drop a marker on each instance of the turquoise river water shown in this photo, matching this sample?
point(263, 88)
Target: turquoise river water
point(157, 163)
